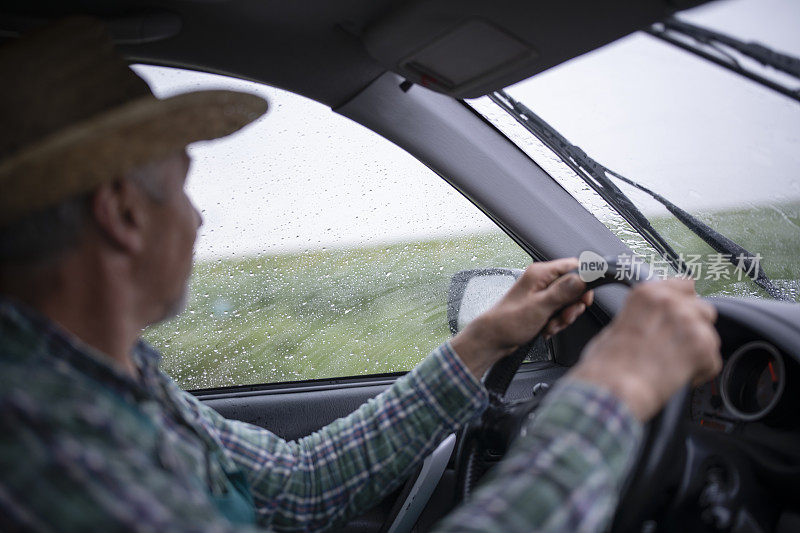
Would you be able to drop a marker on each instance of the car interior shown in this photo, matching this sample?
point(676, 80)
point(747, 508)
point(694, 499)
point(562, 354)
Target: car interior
point(402, 70)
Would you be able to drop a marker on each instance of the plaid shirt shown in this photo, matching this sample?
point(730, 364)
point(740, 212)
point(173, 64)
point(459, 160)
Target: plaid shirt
point(84, 447)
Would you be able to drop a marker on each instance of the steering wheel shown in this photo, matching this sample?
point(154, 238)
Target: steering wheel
point(486, 441)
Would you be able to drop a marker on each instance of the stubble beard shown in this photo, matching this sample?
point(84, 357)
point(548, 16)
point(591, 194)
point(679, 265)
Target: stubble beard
point(179, 305)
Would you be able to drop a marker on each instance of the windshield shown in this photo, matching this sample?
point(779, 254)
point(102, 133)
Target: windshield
point(718, 146)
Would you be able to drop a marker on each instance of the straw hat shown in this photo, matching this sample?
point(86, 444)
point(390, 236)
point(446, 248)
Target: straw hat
point(75, 115)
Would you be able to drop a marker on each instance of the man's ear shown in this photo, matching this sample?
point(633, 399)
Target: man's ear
point(120, 212)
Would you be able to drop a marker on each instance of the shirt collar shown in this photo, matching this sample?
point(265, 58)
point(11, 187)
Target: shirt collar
point(53, 342)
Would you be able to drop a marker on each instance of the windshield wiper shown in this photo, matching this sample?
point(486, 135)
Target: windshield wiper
point(713, 40)
point(720, 243)
point(593, 173)
point(596, 176)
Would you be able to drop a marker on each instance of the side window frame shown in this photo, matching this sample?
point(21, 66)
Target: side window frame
point(220, 312)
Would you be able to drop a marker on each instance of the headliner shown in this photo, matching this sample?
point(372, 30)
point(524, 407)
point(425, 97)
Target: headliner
point(314, 47)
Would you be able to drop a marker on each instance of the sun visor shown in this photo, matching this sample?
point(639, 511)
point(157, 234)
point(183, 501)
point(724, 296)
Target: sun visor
point(468, 48)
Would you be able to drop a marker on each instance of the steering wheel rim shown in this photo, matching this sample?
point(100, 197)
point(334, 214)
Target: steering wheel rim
point(474, 446)
point(648, 475)
point(638, 497)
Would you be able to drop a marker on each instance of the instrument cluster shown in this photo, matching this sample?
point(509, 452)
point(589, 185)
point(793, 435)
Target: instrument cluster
point(751, 387)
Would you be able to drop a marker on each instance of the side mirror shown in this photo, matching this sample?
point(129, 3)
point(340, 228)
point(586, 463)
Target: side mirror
point(473, 292)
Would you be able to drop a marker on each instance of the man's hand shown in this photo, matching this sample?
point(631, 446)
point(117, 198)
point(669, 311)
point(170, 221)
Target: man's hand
point(662, 339)
point(522, 313)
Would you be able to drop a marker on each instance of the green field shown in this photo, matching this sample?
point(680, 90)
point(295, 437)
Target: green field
point(321, 313)
point(333, 313)
point(773, 232)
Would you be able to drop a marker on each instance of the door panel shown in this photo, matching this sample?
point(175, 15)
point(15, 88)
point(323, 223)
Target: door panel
point(295, 411)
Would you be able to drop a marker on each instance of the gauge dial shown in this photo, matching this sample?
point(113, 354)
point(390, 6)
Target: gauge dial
point(706, 401)
point(753, 381)
point(708, 409)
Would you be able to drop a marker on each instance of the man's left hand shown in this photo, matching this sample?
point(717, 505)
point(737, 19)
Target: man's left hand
point(524, 311)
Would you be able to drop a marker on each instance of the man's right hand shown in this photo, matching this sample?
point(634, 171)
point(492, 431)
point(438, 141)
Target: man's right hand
point(663, 338)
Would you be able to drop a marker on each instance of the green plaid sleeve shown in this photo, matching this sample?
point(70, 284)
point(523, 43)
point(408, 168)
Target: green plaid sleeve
point(564, 474)
point(321, 481)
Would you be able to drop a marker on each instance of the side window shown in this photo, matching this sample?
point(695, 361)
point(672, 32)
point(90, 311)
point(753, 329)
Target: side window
point(326, 251)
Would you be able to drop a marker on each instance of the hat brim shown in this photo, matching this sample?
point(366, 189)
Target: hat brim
point(80, 158)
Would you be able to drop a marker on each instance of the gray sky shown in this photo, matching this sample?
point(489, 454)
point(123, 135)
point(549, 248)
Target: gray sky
point(303, 177)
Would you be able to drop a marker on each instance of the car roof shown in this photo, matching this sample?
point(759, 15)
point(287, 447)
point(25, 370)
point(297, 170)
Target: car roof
point(329, 51)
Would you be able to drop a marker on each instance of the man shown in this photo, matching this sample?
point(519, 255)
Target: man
point(96, 237)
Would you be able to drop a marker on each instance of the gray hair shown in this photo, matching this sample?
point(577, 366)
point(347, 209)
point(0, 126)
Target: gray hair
point(148, 179)
point(43, 236)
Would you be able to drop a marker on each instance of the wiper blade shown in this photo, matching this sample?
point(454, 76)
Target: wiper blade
point(703, 37)
point(736, 254)
point(596, 176)
point(593, 173)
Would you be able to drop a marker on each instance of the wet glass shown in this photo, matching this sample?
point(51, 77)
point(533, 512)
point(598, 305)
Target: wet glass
point(326, 251)
point(716, 144)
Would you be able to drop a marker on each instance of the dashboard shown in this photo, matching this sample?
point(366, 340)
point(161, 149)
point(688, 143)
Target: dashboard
point(739, 455)
point(756, 396)
point(757, 385)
